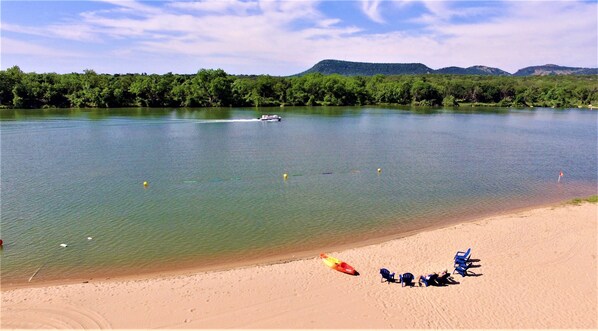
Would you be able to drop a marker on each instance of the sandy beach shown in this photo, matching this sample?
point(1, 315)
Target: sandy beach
point(535, 269)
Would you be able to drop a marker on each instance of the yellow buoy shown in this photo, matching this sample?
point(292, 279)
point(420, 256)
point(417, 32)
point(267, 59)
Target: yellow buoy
point(145, 184)
point(379, 170)
point(285, 176)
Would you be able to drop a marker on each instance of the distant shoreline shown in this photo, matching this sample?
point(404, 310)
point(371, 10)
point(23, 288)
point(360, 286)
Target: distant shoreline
point(281, 109)
point(216, 88)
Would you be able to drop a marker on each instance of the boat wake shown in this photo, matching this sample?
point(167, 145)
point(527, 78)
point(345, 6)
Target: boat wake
point(229, 121)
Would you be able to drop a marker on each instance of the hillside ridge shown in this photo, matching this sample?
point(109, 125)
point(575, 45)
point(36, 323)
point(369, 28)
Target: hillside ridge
point(350, 68)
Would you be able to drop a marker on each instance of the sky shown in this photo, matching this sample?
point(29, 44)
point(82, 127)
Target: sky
point(285, 37)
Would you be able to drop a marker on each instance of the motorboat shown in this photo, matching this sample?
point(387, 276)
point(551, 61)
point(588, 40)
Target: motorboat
point(270, 118)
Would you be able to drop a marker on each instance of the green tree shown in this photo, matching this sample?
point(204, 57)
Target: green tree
point(424, 93)
point(9, 78)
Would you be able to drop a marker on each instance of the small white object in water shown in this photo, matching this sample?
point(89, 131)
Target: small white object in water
point(63, 245)
point(89, 238)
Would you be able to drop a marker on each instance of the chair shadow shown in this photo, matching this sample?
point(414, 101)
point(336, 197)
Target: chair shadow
point(474, 266)
point(469, 273)
point(411, 284)
point(390, 281)
point(450, 281)
point(472, 274)
point(398, 282)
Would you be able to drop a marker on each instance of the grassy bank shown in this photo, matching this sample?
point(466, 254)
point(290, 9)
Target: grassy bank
point(578, 201)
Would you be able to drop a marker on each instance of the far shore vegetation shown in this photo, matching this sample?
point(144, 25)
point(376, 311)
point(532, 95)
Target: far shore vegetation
point(216, 88)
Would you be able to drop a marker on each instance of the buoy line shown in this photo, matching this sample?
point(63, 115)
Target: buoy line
point(285, 176)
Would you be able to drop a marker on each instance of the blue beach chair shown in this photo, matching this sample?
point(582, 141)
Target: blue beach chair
point(463, 256)
point(461, 271)
point(463, 264)
point(406, 279)
point(386, 275)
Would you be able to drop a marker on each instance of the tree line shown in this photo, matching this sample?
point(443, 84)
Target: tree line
point(216, 88)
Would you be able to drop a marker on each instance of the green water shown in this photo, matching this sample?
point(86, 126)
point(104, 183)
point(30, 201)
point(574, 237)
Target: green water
point(216, 190)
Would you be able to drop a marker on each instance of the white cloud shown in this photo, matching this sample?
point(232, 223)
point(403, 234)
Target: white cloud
point(371, 9)
point(132, 6)
point(222, 6)
point(285, 37)
point(17, 47)
point(529, 33)
point(79, 32)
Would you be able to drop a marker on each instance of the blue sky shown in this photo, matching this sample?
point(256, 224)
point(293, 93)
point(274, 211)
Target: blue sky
point(284, 37)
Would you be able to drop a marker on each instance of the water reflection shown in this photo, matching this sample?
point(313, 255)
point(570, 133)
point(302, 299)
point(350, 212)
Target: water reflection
point(247, 112)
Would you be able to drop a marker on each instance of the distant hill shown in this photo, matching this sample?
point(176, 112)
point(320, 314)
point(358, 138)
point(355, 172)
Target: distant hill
point(553, 69)
point(347, 68)
point(475, 70)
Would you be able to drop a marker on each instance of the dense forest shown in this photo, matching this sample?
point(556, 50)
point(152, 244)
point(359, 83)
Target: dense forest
point(216, 88)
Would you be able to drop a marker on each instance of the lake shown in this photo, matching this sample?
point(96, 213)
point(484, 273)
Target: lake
point(216, 193)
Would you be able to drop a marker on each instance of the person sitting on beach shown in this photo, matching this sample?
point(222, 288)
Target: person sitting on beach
point(444, 277)
point(428, 280)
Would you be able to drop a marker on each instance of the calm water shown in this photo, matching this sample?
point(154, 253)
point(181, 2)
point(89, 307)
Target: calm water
point(216, 191)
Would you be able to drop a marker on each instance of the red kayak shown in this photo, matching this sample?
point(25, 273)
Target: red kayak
point(337, 264)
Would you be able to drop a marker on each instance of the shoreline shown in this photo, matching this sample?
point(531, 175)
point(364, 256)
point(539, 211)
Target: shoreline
point(535, 269)
point(279, 258)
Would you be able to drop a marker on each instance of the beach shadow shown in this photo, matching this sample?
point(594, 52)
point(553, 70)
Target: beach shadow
point(393, 281)
point(356, 273)
point(469, 273)
point(442, 284)
point(474, 266)
point(449, 281)
point(430, 285)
